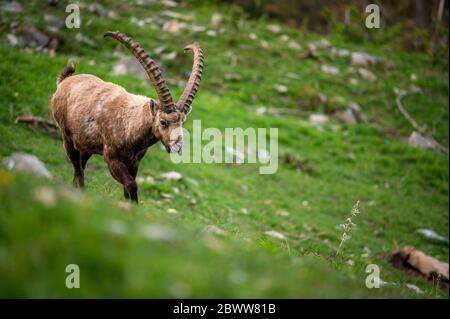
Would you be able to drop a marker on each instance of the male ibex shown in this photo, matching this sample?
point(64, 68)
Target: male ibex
point(97, 117)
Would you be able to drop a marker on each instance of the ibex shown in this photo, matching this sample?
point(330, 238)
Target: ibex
point(97, 117)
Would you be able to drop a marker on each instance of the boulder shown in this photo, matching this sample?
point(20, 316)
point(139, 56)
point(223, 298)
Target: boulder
point(26, 163)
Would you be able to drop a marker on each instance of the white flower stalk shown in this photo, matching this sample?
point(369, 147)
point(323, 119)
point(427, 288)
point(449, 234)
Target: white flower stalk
point(348, 226)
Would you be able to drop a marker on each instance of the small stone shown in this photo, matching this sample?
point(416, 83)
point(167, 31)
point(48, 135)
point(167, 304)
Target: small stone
point(12, 39)
point(197, 28)
point(366, 74)
point(11, 6)
point(342, 53)
point(363, 59)
point(172, 26)
point(54, 21)
point(275, 28)
point(216, 19)
point(414, 88)
point(284, 38)
point(281, 88)
point(318, 120)
point(35, 36)
point(418, 140)
point(169, 56)
point(275, 234)
point(345, 116)
point(357, 112)
point(282, 213)
point(244, 211)
point(172, 176)
point(45, 195)
point(366, 252)
point(171, 211)
point(167, 196)
point(211, 33)
point(261, 110)
point(324, 43)
point(264, 44)
point(169, 3)
point(329, 69)
point(294, 45)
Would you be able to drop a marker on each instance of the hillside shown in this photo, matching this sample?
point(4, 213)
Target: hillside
point(223, 230)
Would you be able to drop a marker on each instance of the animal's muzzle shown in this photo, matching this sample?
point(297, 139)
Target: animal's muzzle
point(177, 146)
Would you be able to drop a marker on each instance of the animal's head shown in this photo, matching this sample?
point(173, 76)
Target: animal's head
point(168, 127)
point(168, 116)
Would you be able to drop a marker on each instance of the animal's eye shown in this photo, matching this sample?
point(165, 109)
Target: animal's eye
point(164, 123)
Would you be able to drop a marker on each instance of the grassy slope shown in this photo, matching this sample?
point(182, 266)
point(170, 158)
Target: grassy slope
point(401, 188)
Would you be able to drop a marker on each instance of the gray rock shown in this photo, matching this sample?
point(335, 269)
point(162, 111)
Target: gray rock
point(318, 120)
point(54, 21)
point(366, 74)
point(129, 64)
point(34, 36)
point(172, 176)
point(345, 116)
point(418, 140)
point(26, 163)
point(363, 59)
point(11, 6)
point(216, 19)
point(357, 112)
point(12, 39)
point(275, 234)
point(329, 69)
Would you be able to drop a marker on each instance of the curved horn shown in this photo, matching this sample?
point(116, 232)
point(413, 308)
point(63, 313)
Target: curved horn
point(185, 101)
point(150, 66)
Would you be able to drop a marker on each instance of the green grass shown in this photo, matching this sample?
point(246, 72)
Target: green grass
point(401, 188)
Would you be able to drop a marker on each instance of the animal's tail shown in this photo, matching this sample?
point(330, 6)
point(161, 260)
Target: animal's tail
point(68, 71)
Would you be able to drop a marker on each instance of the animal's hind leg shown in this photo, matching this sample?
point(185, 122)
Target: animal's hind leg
point(84, 159)
point(122, 174)
point(75, 158)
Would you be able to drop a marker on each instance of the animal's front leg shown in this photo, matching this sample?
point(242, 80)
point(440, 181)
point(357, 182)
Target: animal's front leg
point(119, 170)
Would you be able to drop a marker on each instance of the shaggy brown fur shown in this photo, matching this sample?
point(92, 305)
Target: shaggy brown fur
point(97, 117)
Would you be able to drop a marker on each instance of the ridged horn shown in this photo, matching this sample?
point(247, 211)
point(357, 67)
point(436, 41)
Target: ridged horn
point(185, 101)
point(153, 70)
